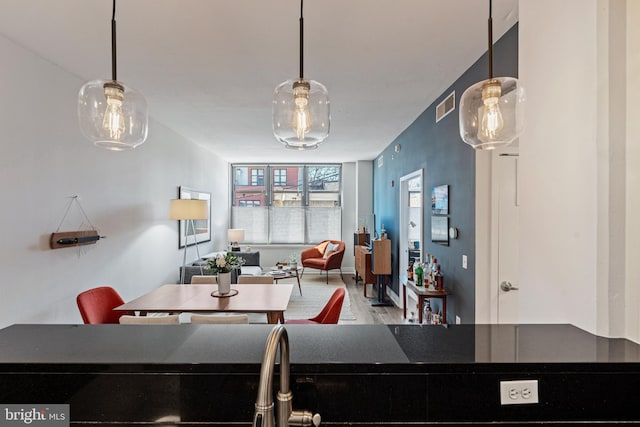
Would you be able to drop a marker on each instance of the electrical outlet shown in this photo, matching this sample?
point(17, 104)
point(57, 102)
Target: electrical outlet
point(518, 392)
point(458, 320)
point(464, 262)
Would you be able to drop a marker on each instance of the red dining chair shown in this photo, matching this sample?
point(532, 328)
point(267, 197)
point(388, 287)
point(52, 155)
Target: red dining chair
point(329, 314)
point(96, 305)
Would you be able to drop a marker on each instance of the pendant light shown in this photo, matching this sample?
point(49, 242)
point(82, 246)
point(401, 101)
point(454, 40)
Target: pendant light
point(111, 114)
point(301, 108)
point(492, 111)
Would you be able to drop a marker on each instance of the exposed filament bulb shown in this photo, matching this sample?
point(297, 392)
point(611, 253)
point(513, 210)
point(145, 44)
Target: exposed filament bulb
point(491, 122)
point(301, 122)
point(113, 121)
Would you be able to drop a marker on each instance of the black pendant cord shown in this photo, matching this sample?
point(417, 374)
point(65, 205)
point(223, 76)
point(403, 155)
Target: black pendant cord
point(490, 43)
point(301, 42)
point(113, 43)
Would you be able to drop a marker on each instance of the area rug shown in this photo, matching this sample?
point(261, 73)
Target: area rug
point(315, 294)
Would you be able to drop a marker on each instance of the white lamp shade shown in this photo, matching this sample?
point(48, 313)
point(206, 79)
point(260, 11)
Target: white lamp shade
point(131, 117)
point(188, 209)
point(235, 235)
point(492, 122)
point(316, 112)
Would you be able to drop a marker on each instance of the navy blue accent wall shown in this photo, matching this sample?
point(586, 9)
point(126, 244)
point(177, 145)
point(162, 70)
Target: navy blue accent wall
point(438, 150)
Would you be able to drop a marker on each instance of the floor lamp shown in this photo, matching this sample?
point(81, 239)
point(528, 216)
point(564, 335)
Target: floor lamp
point(188, 210)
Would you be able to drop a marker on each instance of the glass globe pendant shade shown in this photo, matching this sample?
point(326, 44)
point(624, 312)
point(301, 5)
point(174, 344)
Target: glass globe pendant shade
point(492, 113)
point(112, 115)
point(301, 114)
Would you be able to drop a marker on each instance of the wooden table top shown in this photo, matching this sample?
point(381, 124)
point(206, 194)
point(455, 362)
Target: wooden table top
point(252, 298)
point(421, 290)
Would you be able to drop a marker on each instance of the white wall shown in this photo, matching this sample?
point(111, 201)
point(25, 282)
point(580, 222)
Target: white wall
point(558, 160)
point(126, 195)
point(486, 242)
point(579, 185)
point(350, 193)
point(632, 251)
point(364, 189)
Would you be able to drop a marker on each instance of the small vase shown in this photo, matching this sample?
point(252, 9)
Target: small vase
point(224, 283)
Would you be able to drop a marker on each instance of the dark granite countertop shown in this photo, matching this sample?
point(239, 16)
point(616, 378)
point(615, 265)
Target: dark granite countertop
point(351, 374)
point(237, 345)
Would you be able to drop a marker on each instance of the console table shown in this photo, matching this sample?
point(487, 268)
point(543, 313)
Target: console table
point(363, 267)
point(423, 294)
point(381, 259)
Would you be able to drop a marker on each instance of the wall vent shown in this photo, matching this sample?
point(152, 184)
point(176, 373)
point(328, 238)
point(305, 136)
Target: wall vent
point(446, 106)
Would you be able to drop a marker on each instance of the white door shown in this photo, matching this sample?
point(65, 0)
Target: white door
point(508, 236)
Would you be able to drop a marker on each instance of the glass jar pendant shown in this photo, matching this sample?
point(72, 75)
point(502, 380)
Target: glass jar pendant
point(301, 113)
point(492, 113)
point(112, 115)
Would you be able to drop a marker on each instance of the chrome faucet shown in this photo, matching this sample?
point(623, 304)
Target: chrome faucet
point(263, 416)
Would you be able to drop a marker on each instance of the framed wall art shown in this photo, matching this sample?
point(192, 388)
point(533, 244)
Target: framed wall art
point(440, 230)
point(440, 200)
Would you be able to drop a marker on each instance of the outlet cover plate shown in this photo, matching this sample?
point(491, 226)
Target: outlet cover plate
point(519, 392)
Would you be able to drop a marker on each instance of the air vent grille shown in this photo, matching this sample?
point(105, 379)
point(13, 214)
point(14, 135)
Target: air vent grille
point(446, 106)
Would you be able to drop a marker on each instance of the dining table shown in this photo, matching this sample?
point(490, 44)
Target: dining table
point(271, 299)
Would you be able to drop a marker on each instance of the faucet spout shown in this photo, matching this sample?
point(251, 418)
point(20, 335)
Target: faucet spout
point(263, 415)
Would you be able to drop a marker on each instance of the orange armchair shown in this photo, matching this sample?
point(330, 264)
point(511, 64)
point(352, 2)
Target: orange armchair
point(329, 315)
point(315, 257)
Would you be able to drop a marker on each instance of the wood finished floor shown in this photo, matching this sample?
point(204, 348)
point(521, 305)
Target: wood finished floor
point(362, 309)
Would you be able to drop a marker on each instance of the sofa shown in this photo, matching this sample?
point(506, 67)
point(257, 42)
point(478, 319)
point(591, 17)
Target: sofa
point(251, 266)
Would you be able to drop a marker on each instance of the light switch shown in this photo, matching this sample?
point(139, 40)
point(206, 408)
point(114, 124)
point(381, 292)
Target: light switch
point(464, 262)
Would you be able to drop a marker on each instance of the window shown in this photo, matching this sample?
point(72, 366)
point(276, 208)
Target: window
point(280, 177)
point(257, 177)
point(300, 204)
point(246, 183)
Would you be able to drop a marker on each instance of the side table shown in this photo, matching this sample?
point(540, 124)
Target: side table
point(423, 294)
point(286, 273)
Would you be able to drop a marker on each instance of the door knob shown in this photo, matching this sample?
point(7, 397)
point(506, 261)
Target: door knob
point(507, 286)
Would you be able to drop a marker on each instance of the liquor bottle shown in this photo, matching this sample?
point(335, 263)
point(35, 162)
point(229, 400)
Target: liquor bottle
point(439, 279)
point(419, 272)
point(410, 271)
point(427, 314)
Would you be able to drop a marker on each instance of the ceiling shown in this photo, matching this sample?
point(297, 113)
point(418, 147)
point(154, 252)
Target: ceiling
point(208, 68)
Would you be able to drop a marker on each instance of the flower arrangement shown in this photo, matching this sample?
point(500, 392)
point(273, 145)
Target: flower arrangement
point(225, 263)
point(293, 258)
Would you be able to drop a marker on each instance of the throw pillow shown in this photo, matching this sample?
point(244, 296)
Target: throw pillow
point(322, 247)
point(331, 248)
